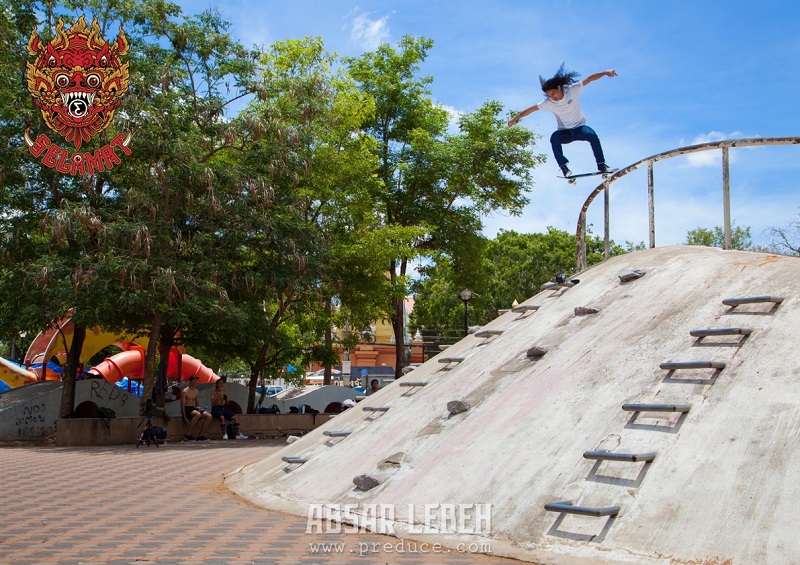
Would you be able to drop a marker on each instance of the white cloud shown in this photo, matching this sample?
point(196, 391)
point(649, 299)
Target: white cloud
point(369, 33)
point(453, 116)
point(711, 158)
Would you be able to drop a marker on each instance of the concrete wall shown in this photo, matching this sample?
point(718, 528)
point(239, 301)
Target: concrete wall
point(116, 431)
point(236, 393)
point(30, 412)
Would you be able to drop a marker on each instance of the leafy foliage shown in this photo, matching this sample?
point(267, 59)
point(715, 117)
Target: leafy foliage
point(269, 196)
point(740, 237)
point(436, 183)
point(513, 268)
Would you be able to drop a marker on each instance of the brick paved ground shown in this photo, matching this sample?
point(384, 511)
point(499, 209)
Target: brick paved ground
point(121, 504)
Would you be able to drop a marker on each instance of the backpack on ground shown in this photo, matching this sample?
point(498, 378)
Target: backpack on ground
point(271, 410)
point(154, 433)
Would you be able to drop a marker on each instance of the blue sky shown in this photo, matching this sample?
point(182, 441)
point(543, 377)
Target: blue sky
point(689, 72)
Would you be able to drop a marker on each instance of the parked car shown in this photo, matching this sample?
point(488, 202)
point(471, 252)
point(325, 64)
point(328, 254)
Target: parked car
point(272, 390)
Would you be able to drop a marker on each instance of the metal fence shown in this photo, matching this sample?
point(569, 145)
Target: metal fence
point(605, 186)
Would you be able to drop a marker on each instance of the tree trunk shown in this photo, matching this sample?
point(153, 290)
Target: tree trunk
point(326, 378)
point(150, 356)
point(256, 369)
point(398, 326)
point(70, 374)
point(165, 343)
point(251, 390)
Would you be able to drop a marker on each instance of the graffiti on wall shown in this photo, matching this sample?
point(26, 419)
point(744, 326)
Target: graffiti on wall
point(104, 390)
point(32, 420)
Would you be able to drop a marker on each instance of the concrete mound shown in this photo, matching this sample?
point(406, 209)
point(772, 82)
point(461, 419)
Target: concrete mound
point(660, 446)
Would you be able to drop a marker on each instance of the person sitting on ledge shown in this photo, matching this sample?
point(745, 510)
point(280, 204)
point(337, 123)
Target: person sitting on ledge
point(192, 413)
point(219, 411)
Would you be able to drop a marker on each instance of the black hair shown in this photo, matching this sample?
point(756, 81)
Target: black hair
point(562, 78)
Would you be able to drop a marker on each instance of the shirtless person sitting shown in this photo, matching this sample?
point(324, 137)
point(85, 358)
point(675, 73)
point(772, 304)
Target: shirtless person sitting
point(219, 410)
point(190, 406)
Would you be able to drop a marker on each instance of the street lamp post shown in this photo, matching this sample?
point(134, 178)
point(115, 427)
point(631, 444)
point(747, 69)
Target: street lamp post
point(466, 296)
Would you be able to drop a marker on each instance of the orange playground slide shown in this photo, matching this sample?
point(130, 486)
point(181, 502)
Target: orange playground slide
point(131, 364)
point(55, 341)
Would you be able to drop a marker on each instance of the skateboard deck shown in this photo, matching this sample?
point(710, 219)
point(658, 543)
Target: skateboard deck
point(571, 179)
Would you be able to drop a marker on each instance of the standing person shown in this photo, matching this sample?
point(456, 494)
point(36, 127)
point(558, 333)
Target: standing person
point(562, 98)
point(219, 401)
point(192, 413)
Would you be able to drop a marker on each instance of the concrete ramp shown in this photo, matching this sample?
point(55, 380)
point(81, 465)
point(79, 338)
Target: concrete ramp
point(601, 427)
point(318, 397)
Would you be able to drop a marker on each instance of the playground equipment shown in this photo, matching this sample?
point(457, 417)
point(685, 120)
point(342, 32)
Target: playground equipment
point(131, 364)
point(56, 341)
point(14, 375)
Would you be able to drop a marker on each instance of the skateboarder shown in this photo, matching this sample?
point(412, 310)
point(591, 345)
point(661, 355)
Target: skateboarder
point(562, 98)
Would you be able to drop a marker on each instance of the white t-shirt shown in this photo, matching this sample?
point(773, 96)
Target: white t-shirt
point(568, 109)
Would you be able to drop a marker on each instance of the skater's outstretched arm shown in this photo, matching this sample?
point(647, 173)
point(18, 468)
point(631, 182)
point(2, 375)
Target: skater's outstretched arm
point(525, 112)
point(595, 76)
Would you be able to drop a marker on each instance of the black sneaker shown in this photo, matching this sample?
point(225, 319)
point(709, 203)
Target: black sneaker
point(566, 172)
point(202, 438)
point(603, 168)
point(188, 437)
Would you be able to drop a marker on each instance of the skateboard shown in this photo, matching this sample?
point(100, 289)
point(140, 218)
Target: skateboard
point(571, 179)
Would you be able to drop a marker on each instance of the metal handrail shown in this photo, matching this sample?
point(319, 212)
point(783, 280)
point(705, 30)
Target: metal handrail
point(725, 145)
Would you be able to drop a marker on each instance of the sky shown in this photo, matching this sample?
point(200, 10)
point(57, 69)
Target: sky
point(688, 73)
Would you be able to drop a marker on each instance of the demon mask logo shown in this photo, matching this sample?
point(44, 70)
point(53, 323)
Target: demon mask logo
point(77, 79)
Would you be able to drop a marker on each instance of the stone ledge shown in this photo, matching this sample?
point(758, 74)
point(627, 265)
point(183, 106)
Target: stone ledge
point(118, 431)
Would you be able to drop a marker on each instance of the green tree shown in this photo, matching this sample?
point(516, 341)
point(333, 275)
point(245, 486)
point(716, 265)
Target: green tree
point(435, 182)
point(146, 245)
point(320, 165)
point(514, 266)
point(740, 237)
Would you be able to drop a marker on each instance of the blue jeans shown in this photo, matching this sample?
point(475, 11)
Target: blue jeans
point(580, 133)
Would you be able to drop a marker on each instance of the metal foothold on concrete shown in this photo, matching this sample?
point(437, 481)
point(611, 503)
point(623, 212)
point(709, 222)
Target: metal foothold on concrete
point(457, 406)
point(365, 482)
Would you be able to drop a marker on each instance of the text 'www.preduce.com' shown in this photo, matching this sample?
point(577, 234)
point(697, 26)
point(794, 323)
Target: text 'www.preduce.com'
point(400, 547)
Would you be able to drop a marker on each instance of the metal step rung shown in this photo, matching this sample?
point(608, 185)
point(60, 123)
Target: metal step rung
point(525, 308)
point(451, 360)
point(567, 507)
point(720, 331)
point(629, 457)
point(677, 365)
point(684, 408)
point(556, 286)
point(752, 300)
point(336, 433)
point(487, 333)
point(294, 460)
point(376, 408)
point(413, 383)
